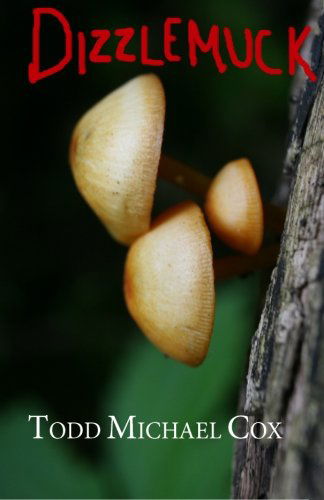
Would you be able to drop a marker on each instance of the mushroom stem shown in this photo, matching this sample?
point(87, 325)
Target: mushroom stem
point(183, 176)
point(197, 183)
point(235, 265)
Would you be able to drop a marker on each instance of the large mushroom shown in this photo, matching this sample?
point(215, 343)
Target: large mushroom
point(169, 284)
point(115, 152)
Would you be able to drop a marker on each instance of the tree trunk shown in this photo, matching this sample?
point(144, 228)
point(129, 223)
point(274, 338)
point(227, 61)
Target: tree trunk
point(285, 380)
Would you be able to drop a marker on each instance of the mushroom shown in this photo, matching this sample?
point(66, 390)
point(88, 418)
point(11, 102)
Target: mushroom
point(234, 207)
point(169, 284)
point(115, 152)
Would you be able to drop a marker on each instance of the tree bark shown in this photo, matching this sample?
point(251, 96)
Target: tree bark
point(285, 380)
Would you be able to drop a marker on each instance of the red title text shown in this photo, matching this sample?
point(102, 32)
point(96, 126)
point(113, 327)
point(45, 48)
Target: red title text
point(96, 47)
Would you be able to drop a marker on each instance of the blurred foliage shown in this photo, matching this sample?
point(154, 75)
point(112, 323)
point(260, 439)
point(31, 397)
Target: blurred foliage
point(65, 335)
point(39, 469)
point(147, 385)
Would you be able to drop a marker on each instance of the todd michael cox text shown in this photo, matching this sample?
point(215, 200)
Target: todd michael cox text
point(239, 427)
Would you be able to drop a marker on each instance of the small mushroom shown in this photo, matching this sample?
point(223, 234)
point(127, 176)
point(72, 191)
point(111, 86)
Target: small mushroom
point(169, 284)
point(234, 207)
point(115, 152)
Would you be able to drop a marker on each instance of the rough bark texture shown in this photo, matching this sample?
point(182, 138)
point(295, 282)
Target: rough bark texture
point(285, 380)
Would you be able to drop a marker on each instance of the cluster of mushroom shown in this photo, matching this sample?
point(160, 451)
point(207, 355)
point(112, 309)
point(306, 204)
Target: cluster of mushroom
point(115, 155)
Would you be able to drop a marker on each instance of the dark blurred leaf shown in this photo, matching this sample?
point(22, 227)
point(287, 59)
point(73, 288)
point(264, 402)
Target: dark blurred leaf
point(39, 468)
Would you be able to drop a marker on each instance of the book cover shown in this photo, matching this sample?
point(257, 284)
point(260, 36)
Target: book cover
point(162, 250)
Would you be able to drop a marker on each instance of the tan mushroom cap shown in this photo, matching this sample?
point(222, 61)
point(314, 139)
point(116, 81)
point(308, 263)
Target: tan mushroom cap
point(115, 152)
point(234, 207)
point(169, 284)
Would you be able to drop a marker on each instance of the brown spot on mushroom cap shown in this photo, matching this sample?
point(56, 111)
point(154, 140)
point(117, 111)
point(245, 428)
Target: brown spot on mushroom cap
point(234, 207)
point(115, 152)
point(169, 284)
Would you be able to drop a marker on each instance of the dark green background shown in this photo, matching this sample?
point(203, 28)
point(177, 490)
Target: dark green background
point(68, 347)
